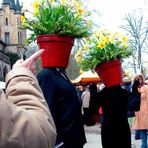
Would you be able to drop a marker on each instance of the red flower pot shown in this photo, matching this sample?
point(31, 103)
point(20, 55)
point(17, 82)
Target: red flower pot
point(110, 72)
point(57, 50)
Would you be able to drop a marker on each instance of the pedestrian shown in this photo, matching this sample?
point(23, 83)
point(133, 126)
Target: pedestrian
point(115, 131)
point(100, 87)
point(65, 106)
point(85, 107)
point(93, 100)
point(141, 117)
point(25, 120)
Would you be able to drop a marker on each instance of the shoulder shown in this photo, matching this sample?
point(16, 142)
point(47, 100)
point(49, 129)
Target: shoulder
point(47, 73)
point(143, 88)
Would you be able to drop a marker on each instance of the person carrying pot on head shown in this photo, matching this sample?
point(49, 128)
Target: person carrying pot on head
point(65, 106)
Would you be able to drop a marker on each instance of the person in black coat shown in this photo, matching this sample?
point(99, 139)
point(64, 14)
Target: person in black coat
point(65, 107)
point(115, 132)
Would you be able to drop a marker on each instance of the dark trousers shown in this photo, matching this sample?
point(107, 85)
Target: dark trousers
point(87, 120)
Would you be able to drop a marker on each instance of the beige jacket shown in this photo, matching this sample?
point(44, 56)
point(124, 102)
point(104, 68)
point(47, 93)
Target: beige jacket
point(25, 120)
point(141, 117)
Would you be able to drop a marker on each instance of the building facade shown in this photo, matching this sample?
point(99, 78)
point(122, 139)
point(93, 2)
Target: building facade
point(5, 64)
point(10, 20)
point(11, 38)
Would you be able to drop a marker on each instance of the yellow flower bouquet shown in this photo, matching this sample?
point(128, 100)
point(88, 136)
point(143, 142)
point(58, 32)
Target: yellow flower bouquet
point(101, 47)
point(60, 17)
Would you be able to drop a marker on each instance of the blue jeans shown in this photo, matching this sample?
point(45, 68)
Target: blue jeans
point(137, 135)
point(143, 135)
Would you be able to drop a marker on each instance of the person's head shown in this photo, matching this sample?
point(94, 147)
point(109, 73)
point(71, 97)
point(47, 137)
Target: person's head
point(141, 79)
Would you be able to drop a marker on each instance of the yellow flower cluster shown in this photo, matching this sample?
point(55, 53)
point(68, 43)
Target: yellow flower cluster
point(102, 43)
point(104, 37)
point(75, 4)
point(47, 13)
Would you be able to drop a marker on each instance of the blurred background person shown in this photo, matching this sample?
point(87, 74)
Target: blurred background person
point(141, 117)
point(85, 107)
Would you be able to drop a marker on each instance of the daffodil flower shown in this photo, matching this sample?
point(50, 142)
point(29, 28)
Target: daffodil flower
point(36, 13)
point(97, 33)
point(36, 4)
point(101, 44)
point(80, 10)
point(63, 1)
point(124, 38)
point(107, 39)
point(89, 23)
point(124, 45)
point(86, 47)
point(81, 71)
point(23, 19)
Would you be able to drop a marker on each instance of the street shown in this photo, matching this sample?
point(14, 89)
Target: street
point(93, 135)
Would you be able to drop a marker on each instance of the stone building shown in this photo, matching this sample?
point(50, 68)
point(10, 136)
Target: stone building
point(5, 64)
point(11, 38)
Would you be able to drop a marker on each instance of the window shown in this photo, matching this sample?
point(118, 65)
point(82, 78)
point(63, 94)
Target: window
point(7, 37)
point(19, 38)
point(6, 23)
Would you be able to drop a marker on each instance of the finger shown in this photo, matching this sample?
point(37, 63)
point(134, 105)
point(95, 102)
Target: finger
point(34, 57)
point(18, 62)
point(33, 69)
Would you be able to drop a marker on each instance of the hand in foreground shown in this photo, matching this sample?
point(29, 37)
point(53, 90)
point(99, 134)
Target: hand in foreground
point(28, 63)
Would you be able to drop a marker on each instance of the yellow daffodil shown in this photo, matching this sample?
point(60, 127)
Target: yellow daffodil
point(23, 19)
point(86, 47)
point(101, 44)
point(73, 3)
point(81, 71)
point(36, 4)
point(97, 33)
point(112, 40)
point(124, 38)
point(78, 56)
point(63, 1)
point(107, 39)
point(124, 45)
point(89, 23)
point(36, 13)
point(80, 10)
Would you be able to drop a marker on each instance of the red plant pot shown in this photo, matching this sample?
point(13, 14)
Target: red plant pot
point(57, 50)
point(110, 72)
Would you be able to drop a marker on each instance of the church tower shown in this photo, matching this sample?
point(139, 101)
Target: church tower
point(10, 14)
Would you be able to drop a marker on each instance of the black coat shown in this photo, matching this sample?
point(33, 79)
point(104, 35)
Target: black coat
point(115, 128)
point(64, 105)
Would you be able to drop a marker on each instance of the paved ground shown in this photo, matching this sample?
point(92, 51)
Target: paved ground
point(94, 138)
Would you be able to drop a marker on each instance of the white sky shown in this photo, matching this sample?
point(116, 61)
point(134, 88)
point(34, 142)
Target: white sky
point(112, 11)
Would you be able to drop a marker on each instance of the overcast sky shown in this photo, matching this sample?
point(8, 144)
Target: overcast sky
point(114, 10)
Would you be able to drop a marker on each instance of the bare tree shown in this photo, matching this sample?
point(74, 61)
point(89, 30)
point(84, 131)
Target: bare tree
point(137, 29)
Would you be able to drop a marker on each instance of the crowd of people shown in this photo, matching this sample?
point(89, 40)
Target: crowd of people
point(114, 112)
point(50, 112)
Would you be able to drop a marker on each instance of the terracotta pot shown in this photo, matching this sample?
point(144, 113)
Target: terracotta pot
point(110, 72)
point(57, 50)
